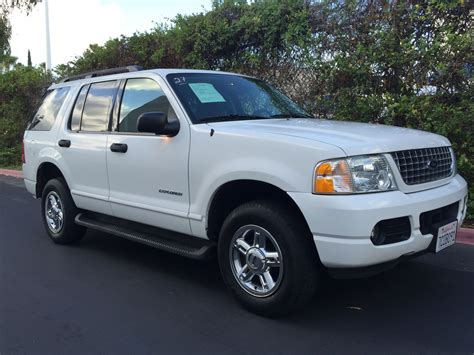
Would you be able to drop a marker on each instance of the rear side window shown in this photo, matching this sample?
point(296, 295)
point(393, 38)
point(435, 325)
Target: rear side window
point(140, 96)
point(99, 101)
point(75, 123)
point(47, 112)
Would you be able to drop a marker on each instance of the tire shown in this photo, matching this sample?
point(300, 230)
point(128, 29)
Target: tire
point(294, 280)
point(59, 222)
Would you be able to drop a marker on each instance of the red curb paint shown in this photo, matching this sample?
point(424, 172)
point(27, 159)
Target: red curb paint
point(465, 236)
point(14, 173)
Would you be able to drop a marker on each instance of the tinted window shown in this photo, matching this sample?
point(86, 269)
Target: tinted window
point(75, 123)
point(47, 112)
point(223, 97)
point(139, 96)
point(95, 116)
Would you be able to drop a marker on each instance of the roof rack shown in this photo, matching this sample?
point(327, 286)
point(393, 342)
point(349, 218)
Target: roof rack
point(93, 74)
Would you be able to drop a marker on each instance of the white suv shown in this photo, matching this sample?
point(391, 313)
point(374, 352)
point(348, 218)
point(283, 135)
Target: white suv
point(200, 162)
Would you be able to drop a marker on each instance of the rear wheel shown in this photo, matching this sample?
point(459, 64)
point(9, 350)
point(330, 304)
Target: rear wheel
point(59, 211)
point(267, 259)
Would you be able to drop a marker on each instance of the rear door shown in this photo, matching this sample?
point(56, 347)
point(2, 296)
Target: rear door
point(149, 178)
point(85, 143)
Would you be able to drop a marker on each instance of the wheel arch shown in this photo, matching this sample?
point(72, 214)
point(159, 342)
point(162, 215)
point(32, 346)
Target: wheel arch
point(233, 193)
point(45, 172)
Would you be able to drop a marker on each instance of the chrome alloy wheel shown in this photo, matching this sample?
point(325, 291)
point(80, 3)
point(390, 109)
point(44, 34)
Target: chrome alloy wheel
point(53, 210)
point(256, 260)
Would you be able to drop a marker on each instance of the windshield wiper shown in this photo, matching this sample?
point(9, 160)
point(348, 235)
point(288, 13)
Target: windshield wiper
point(290, 115)
point(223, 118)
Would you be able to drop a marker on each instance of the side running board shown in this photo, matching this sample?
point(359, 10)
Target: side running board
point(173, 242)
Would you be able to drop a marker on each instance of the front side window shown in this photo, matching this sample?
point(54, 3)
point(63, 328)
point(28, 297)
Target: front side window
point(224, 97)
point(97, 107)
point(47, 112)
point(140, 96)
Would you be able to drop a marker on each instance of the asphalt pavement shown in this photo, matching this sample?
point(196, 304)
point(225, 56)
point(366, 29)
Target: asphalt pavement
point(111, 296)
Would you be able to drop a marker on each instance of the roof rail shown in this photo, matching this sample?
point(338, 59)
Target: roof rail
point(93, 74)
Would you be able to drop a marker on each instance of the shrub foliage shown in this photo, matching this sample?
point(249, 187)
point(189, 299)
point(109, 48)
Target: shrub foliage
point(20, 92)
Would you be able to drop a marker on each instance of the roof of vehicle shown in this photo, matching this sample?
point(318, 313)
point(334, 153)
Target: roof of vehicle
point(137, 73)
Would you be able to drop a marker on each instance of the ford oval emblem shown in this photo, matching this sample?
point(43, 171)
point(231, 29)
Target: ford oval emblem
point(432, 163)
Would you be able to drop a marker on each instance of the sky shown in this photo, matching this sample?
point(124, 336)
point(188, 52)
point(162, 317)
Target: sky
point(76, 24)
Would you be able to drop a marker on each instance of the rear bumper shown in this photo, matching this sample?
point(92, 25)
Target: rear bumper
point(342, 225)
point(30, 186)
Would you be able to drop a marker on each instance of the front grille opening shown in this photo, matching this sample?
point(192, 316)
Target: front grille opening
point(430, 218)
point(391, 231)
point(418, 166)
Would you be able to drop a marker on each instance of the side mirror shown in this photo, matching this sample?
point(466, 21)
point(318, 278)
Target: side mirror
point(156, 122)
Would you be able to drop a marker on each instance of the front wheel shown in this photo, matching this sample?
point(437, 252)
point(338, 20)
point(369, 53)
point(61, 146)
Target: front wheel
point(267, 258)
point(59, 212)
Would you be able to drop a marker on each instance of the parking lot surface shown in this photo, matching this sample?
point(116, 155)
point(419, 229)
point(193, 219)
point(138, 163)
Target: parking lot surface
point(111, 296)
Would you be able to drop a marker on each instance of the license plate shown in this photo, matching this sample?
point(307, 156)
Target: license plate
point(446, 235)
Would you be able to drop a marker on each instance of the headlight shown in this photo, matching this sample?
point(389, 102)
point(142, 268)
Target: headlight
point(365, 173)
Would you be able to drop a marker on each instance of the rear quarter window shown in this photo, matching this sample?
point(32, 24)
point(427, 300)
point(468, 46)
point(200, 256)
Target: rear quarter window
point(44, 118)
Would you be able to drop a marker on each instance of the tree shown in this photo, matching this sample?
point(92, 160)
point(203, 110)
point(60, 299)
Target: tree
point(6, 6)
point(6, 63)
point(5, 33)
point(29, 58)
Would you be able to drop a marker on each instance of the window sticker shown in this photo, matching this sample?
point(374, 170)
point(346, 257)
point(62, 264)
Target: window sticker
point(206, 93)
point(180, 80)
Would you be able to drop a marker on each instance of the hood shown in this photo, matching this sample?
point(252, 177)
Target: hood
point(352, 137)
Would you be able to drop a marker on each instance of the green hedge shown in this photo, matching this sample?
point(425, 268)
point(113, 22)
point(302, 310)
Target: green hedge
point(20, 92)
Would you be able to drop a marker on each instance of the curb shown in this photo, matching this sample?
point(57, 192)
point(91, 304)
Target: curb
point(14, 173)
point(464, 235)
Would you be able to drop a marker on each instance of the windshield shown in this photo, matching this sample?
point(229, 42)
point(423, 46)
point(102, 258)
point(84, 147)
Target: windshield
point(222, 97)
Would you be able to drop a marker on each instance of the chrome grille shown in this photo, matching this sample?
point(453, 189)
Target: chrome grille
point(418, 166)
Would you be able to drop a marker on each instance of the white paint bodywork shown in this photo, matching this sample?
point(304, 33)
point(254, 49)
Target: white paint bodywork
point(279, 152)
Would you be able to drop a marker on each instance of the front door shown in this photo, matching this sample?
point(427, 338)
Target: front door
point(148, 174)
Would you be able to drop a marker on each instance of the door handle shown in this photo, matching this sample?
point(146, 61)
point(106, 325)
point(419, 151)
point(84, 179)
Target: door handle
point(119, 148)
point(65, 143)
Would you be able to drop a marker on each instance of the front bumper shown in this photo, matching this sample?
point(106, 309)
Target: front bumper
point(342, 224)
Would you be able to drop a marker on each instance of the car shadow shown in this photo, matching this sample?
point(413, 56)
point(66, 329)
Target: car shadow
point(201, 273)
